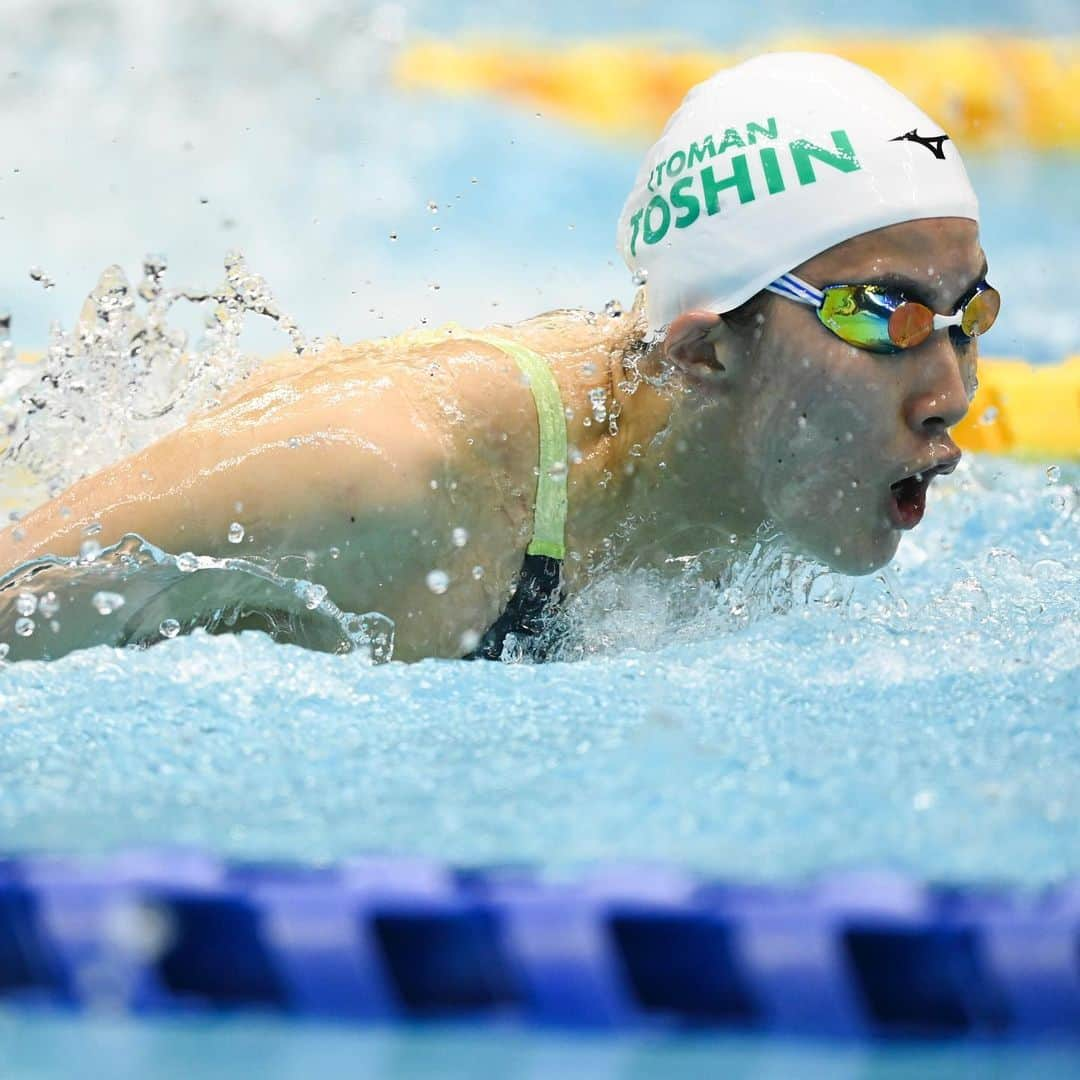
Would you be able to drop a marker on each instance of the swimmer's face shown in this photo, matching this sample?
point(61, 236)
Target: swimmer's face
point(826, 429)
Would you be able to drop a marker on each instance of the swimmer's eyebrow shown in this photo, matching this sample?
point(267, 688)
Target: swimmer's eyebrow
point(916, 290)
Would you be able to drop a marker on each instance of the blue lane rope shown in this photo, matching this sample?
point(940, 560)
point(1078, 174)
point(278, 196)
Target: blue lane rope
point(853, 955)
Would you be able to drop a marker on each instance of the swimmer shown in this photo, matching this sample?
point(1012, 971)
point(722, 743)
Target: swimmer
point(803, 338)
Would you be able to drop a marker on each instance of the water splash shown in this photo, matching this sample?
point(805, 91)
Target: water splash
point(125, 375)
point(133, 594)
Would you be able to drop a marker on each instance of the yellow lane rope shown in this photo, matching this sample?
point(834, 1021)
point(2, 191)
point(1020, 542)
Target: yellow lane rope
point(1025, 410)
point(989, 91)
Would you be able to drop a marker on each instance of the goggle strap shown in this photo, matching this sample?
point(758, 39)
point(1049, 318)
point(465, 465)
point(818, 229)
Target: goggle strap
point(794, 288)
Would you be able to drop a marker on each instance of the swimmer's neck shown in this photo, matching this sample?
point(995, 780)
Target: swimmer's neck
point(670, 477)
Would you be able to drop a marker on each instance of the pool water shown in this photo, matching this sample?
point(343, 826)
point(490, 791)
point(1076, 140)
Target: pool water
point(923, 719)
point(44, 1047)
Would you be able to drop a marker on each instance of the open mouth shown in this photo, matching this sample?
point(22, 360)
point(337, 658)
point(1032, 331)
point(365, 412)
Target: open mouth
point(907, 501)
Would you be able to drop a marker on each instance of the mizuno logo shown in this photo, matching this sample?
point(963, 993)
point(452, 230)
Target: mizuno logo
point(933, 143)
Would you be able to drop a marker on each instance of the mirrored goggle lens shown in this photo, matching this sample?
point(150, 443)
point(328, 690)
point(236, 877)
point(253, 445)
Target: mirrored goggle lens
point(910, 324)
point(860, 315)
point(981, 311)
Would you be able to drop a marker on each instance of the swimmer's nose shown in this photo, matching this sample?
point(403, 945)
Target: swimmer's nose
point(939, 398)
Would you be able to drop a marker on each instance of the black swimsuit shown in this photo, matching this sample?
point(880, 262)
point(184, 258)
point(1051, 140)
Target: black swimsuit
point(529, 612)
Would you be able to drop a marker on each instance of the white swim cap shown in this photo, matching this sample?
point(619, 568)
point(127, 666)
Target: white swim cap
point(770, 162)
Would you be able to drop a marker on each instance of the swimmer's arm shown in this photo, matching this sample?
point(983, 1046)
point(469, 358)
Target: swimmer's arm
point(305, 475)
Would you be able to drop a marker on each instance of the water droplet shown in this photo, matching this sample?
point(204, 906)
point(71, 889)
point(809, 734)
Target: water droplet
point(236, 532)
point(636, 450)
point(105, 603)
point(640, 276)
point(169, 628)
point(477, 572)
point(557, 471)
point(438, 581)
point(393, 236)
point(598, 400)
point(434, 286)
point(24, 627)
point(459, 536)
point(187, 562)
point(433, 206)
point(335, 553)
point(26, 603)
point(41, 277)
point(89, 550)
point(314, 595)
point(49, 604)
point(613, 309)
point(1053, 474)
point(474, 180)
point(989, 415)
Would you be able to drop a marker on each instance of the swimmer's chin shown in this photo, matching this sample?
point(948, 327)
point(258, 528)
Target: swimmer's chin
point(855, 557)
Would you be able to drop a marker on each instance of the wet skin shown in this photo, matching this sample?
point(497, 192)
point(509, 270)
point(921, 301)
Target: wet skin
point(382, 450)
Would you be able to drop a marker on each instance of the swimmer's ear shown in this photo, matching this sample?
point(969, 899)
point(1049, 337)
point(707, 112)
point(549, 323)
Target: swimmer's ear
point(697, 343)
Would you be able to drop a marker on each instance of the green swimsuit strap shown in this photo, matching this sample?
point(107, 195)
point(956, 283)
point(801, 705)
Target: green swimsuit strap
point(549, 515)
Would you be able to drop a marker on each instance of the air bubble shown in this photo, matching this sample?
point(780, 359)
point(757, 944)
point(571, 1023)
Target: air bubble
point(313, 595)
point(26, 603)
point(24, 627)
point(1053, 474)
point(187, 562)
point(459, 536)
point(438, 581)
point(105, 603)
point(923, 800)
point(49, 604)
point(334, 553)
point(89, 550)
point(169, 628)
point(477, 573)
point(433, 206)
point(236, 532)
point(989, 416)
point(640, 276)
point(469, 640)
point(613, 309)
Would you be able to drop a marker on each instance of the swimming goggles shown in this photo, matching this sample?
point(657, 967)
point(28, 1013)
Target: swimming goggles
point(883, 319)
